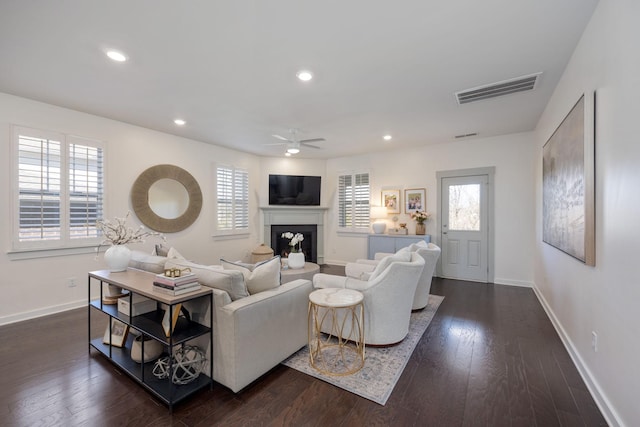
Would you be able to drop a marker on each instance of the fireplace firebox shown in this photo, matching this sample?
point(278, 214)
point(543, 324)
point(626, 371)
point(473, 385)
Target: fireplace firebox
point(281, 246)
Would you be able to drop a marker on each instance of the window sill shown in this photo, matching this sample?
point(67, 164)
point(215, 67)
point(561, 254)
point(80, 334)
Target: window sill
point(17, 255)
point(231, 236)
point(353, 233)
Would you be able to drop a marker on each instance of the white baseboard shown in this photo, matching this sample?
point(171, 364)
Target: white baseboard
point(512, 282)
point(335, 262)
point(42, 312)
point(608, 412)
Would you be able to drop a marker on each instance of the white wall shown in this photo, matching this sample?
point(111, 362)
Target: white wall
point(39, 286)
point(603, 298)
point(417, 167)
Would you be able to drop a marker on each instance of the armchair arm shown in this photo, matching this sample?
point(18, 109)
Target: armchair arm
point(356, 269)
point(373, 262)
point(323, 280)
point(379, 255)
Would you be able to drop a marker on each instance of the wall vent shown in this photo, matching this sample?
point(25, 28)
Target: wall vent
point(466, 135)
point(493, 90)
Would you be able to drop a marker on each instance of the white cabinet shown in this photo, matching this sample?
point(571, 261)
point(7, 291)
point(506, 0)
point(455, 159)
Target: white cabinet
point(391, 244)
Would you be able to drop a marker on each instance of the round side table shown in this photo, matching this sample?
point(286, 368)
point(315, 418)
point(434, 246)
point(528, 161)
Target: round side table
point(339, 350)
point(307, 272)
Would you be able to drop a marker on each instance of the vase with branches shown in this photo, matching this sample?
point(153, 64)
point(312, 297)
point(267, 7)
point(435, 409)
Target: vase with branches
point(118, 234)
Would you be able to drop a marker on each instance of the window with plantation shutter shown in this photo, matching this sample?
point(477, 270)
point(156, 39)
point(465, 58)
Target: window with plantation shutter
point(232, 200)
point(353, 202)
point(59, 180)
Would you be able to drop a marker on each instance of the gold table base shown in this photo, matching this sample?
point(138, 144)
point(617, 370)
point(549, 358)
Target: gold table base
point(341, 349)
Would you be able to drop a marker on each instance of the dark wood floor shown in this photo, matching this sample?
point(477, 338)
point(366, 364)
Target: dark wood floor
point(489, 358)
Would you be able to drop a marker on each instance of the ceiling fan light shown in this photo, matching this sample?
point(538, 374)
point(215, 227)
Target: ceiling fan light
point(293, 150)
point(288, 154)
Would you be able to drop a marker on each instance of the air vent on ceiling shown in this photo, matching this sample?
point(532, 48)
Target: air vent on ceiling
point(505, 87)
point(466, 135)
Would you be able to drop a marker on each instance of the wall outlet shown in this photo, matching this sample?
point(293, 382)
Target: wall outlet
point(71, 282)
point(594, 341)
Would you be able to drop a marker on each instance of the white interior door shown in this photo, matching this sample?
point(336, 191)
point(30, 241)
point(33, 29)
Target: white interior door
point(464, 228)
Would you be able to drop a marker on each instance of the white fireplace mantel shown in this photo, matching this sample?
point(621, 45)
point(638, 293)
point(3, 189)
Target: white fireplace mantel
point(295, 215)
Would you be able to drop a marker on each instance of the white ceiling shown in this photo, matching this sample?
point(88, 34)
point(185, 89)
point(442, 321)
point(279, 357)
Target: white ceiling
point(228, 67)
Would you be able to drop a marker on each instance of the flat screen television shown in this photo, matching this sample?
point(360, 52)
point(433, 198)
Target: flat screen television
point(294, 190)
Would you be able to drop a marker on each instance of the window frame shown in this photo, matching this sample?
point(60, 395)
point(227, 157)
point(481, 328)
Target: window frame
point(234, 231)
point(64, 243)
point(365, 222)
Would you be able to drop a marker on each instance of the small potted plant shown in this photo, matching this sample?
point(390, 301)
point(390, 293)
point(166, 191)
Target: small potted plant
point(420, 217)
point(296, 257)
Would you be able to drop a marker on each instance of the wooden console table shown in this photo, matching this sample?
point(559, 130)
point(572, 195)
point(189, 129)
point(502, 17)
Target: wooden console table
point(149, 325)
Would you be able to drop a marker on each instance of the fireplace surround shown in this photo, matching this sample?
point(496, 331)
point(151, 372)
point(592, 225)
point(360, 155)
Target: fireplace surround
point(295, 216)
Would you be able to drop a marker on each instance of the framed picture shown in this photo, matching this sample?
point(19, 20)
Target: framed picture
point(119, 331)
point(568, 166)
point(391, 200)
point(415, 199)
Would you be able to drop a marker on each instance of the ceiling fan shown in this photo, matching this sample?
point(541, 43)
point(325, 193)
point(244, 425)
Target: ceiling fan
point(293, 143)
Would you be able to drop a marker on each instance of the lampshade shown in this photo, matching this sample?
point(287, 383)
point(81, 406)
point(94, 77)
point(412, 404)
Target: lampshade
point(378, 212)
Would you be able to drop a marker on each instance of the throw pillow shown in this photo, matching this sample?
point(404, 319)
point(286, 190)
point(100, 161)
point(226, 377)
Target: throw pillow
point(260, 277)
point(214, 277)
point(386, 262)
point(143, 261)
point(173, 253)
point(420, 245)
point(161, 250)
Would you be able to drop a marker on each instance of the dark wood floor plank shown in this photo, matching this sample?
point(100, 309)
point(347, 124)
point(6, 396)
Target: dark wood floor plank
point(489, 357)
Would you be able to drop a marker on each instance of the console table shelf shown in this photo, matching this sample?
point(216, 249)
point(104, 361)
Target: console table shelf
point(150, 325)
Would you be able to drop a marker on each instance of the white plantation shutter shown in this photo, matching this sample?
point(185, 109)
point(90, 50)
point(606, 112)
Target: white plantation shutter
point(60, 189)
point(39, 188)
point(353, 201)
point(85, 188)
point(232, 189)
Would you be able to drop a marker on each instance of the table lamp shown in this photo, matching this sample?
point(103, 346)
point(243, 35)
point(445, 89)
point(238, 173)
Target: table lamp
point(379, 213)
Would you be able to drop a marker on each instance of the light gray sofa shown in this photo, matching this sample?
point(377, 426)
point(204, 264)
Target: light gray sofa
point(251, 333)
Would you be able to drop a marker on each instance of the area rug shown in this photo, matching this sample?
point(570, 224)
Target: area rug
point(383, 365)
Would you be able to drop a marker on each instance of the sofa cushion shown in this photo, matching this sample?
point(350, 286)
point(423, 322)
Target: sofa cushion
point(258, 277)
point(143, 261)
point(214, 276)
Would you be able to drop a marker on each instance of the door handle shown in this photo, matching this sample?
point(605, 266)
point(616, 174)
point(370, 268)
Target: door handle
point(444, 232)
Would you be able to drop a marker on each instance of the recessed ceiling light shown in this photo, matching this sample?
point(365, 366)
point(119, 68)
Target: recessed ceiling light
point(304, 75)
point(387, 137)
point(179, 122)
point(116, 56)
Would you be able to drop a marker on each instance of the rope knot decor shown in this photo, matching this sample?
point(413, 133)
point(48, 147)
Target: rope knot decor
point(188, 362)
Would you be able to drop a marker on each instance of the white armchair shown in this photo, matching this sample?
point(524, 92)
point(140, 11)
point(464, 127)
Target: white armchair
point(388, 296)
point(429, 252)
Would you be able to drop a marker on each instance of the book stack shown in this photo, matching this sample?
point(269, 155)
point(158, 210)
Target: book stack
point(175, 285)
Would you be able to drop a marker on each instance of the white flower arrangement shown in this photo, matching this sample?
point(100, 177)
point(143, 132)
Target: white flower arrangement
point(117, 232)
point(420, 216)
point(294, 240)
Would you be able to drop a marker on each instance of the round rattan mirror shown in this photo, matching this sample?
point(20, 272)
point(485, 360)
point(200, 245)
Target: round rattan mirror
point(147, 208)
